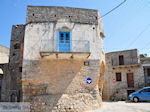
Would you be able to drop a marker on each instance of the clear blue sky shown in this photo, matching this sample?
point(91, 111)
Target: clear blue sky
point(127, 27)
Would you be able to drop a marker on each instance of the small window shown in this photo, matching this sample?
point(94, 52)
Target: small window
point(121, 60)
point(16, 46)
point(20, 69)
point(118, 76)
point(86, 63)
point(112, 62)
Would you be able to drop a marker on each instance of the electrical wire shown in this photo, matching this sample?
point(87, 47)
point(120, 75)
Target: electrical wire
point(146, 46)
point(113, 9)
point(139, 35)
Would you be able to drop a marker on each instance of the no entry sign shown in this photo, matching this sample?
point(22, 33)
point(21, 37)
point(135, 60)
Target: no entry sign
point(114, 80)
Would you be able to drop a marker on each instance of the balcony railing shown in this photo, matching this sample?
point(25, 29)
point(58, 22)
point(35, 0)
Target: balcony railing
point(74, 46)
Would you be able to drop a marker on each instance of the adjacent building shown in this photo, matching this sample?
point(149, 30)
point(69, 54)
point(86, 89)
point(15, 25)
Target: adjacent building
point(123, 74)
point(11, 81)
point(4, 59)
point(4, 54)
point(57, 60)
point(145, 61)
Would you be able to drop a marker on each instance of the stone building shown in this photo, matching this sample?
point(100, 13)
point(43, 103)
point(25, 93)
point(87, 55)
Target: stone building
point(57, 59)
point(123, 74)
point(145, 61)
point(14, 90)
point(11, 84)
point(4, 54)
point(4, 58)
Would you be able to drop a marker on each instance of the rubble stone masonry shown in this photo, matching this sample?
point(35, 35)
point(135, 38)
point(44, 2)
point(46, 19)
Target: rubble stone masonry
point(118, 90)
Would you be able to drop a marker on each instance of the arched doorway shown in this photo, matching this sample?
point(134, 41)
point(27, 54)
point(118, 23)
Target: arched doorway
point(101, 78)
point(13, 97)
point(1, 71)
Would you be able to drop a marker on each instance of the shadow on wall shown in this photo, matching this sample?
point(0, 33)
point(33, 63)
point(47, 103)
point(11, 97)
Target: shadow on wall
point(58, 85)
point(4, 83)
point(101, 78)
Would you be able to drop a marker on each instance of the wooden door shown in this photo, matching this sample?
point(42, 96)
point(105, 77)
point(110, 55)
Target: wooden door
point(130, 79)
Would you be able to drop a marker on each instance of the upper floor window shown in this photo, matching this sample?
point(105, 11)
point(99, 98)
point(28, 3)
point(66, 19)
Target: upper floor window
point(121, 60)
point(17, 46)
point(112, 62)
point(118, 77)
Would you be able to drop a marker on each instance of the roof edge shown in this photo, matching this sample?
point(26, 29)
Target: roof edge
point(62, 7)
point(122, 51)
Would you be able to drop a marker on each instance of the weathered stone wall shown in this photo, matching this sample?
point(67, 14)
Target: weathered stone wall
point(145, 61)
point(5, 85)
point(15, 62)
point(4, 71)
point(118, 90)
point(37, 32)
point(4, 54)
point(53, 14)
point(130, 57)
point(60, 84)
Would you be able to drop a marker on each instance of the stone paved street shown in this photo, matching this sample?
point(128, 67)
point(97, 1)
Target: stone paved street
point(122, 106)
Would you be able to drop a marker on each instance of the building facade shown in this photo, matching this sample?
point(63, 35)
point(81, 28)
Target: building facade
point(4, 59)
point(11, 82)
point(145, 61)
point(123, 74)
point(57, 59)
point(4, 54)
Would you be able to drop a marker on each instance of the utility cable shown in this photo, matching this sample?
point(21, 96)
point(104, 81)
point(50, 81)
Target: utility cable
point(146, 46)
point(139, 35)
point(113, 9)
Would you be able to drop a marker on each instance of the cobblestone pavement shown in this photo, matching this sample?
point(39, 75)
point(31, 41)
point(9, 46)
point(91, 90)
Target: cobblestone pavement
point(122, 106)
